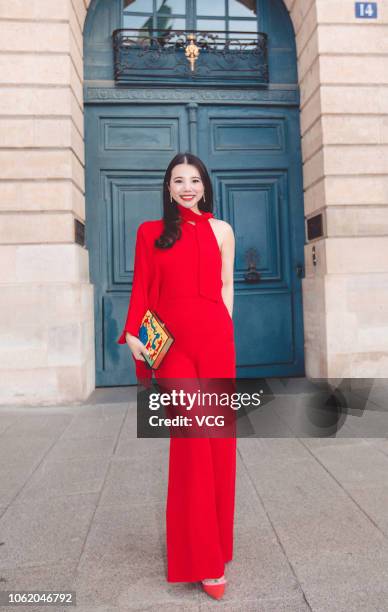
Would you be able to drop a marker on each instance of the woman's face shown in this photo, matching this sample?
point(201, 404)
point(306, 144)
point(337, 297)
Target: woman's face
point(186, 186)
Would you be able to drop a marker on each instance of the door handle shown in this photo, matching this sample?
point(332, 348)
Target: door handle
point(300, 270)
point(252, 275)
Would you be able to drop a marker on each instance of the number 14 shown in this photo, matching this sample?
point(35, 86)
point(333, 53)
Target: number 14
point(366, 9)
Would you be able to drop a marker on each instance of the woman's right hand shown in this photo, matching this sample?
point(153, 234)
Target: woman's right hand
point(136, 346)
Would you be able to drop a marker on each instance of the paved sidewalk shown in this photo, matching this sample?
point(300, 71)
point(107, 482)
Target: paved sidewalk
point(82, 507)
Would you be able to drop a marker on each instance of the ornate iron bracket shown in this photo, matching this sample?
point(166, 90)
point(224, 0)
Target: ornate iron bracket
point(160, 56)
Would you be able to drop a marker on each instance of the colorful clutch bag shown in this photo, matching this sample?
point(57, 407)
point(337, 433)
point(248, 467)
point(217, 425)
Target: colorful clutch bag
point(156, 338)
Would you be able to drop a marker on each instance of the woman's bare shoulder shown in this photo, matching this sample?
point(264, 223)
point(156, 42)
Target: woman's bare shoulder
point(222, 230)
point(223, 227)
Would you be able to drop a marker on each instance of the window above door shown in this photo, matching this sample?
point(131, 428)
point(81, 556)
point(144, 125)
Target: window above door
point(215, 15)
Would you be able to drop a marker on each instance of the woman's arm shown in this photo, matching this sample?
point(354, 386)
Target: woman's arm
point(138, 304)
point(227, 254)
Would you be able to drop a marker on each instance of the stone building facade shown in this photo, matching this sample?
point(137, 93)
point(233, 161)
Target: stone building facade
point(47, 325)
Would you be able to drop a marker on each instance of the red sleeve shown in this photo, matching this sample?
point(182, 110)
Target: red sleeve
point(139, 300)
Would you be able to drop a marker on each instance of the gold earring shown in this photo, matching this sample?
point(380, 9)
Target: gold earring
point(170, 197)
point(204, 197)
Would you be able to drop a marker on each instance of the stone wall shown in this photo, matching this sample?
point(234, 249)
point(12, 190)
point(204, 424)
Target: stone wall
point(343, 75)
point(47, 323)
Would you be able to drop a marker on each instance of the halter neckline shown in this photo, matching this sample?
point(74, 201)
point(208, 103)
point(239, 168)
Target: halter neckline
point(189, 215)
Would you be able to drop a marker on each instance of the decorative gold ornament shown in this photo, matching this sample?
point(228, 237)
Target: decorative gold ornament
point(192, 51)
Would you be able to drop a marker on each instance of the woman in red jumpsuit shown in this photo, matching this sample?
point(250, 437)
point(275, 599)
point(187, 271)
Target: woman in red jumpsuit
point(184, 271)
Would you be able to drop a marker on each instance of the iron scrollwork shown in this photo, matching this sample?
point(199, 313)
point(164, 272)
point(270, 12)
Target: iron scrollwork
point(159, 56)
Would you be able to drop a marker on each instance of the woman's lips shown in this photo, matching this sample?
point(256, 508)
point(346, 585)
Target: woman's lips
point(188, 198)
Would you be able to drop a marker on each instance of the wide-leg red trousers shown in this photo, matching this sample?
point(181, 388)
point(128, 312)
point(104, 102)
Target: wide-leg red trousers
point(202, 471)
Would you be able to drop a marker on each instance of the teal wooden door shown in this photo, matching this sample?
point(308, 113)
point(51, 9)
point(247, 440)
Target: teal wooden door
point(128, 150)
point(253, 155)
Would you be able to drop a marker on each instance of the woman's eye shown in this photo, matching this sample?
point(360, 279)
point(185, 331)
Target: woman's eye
point(177, 181)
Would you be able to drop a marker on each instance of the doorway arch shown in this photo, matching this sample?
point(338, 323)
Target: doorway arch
point(249, 137)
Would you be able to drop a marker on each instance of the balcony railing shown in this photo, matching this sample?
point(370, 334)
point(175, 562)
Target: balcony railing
point(160, 57)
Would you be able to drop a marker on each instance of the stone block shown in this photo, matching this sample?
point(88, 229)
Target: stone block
point(46, 305)
point(77, 113)
point(310, 82)
point(341, 330)
point(306, 29)
point(313, 169)
point(352, 39)
point(66, 344)
point(383, 124)
point(357, 221)
point(355, 190)
point(356, 159)
point(310, 111)
point(35, 9)
point(40, 132)
point(315, 197)
point(358, 365)
point(314, 326)
point(33, 36)
point(308, 55)
point(67, 262)
point(47, 386)
point(38, 101)
point(353, 69)
point(76, 82)
point(299, 11)
point(357, 255)
point(351, 129)
point(350, 100)
point(35, 228)
point(76, 29)
point(44, 263)
point(40, 195)
point(41, 164)
point(45, 69)
point(79, 8)
point(312, 139)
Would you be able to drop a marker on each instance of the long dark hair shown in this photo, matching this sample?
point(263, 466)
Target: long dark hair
point(172, 230)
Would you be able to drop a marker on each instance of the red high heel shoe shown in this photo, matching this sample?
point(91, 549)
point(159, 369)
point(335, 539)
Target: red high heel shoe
point(215, 588)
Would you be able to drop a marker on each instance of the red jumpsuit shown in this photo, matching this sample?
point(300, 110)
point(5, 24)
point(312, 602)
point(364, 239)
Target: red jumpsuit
point(183, 285)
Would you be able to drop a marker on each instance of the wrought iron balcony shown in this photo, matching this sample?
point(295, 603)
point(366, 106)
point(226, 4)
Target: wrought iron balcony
point(190, 57)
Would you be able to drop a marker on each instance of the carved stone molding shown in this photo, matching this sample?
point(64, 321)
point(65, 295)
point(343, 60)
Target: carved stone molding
point(171, 95)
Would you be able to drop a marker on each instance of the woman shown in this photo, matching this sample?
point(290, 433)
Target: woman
point(184, 271)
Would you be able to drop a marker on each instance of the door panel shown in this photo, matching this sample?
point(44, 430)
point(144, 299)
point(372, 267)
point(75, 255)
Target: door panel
point(265, 329)
point(233, 134)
